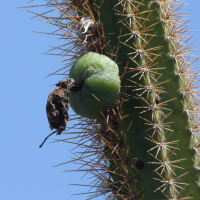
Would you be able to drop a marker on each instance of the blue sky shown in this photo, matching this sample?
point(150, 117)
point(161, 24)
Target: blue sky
point(27, 172)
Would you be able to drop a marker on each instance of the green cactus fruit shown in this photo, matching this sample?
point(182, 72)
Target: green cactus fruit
point(101, 84)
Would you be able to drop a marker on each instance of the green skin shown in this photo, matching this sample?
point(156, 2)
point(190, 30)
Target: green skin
point(136, 135)
point(101, 85)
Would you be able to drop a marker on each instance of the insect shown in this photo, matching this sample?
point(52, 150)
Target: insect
point(57, 107)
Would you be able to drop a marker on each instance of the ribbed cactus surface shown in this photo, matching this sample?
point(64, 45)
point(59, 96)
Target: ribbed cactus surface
point(146, 144)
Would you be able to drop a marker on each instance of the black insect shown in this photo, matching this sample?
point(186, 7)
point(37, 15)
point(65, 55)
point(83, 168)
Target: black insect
point(57, 107)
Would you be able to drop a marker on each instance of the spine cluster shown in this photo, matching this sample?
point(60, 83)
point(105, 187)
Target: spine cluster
point(147, 145)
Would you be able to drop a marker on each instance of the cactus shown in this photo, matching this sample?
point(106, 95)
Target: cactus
point(145, 144)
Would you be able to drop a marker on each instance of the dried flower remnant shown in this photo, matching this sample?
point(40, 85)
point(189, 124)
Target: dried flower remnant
point(57, 107)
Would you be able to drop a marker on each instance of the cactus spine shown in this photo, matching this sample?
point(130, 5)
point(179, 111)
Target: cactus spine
point(146, 146)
